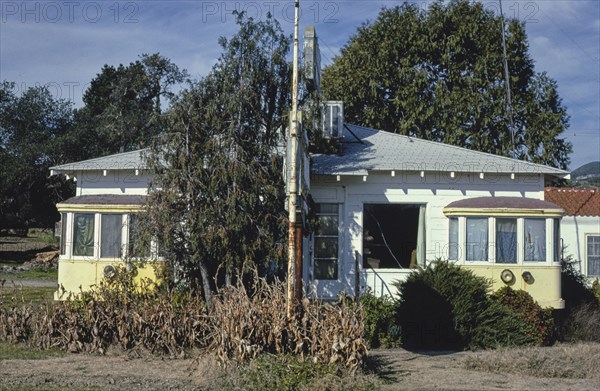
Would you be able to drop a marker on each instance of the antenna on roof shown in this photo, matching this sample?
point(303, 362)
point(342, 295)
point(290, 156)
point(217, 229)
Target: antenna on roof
point(507, 82)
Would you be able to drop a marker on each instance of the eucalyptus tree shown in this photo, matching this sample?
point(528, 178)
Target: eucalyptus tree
point(217, 201)
point(438, 74)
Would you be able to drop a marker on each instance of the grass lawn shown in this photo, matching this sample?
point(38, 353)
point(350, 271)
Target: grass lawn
point(33, 274)
point(10, 351)
point(25, 295)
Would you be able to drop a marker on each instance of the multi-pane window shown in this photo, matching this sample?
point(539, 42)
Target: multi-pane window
point(110, 234)
point(593, 255)
point(477, 239)
point(535, 240)
point(453, 239)
point(63, 233)
point(557, 241)
point(137, 246)
point(326, 242)
point(83, 234)
point(506, 240)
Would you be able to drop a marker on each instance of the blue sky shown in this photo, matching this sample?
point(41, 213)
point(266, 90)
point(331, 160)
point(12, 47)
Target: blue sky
point(64, 44)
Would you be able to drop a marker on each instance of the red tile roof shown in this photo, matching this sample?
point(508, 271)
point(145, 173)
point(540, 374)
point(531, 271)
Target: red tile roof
point(575, 201)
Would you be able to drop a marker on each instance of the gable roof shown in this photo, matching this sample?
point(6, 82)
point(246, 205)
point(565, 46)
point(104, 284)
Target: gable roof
point(575, 201)
point(121, 161)
point(366, 150)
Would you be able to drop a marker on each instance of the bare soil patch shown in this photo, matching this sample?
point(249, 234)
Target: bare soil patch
point(397, 369)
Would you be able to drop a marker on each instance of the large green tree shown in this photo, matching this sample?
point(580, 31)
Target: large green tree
point(122, 106)
point(217, 202)
point(439, 74)
point(33, 126)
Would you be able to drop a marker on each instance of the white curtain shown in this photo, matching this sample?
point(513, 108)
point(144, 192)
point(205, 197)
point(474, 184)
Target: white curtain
point(477, 239)
point(421, 237)
point(535, 240)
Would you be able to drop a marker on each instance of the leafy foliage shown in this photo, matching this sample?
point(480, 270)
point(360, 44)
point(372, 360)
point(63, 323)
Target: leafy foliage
point(380, 321)
point(218, 201)
point(580, 319)
point(33, 127)
point(122, 106)
point(445, 306)
point(539, 321)
point(439, 75)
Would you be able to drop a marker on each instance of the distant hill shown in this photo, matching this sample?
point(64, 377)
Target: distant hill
point(588, 173)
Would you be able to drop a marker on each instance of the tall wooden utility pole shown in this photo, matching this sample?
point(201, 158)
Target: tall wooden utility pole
point(293, 179)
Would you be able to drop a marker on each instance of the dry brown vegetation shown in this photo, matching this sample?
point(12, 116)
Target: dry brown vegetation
point(241, 325)
point(578, 361)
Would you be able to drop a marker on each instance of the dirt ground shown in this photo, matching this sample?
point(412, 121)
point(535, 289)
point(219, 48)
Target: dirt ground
point(399, 370)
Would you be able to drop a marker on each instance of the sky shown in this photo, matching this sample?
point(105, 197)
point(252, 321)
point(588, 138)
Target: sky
point(64, 44)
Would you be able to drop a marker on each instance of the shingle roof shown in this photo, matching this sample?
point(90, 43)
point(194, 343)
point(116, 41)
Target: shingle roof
point(575, 201)
point(503, 203)
point(367, 150)
point(120, 161)
point(106, 199)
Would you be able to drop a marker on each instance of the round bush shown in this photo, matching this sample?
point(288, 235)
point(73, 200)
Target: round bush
point(447, 307)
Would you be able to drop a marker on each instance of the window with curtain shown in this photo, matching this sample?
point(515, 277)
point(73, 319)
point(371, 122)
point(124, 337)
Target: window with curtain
point(557, 241)
point(477, 239)
point(110, 236)
point(326, 242)
point(535, 240)
point(63, 233)
point(453, 239)
point(137, 248)
point(506, 240)
point(83, 234)
point(593, 255)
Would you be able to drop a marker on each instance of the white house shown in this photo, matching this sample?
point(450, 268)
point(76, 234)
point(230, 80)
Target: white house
point(388, 203)
point(580, 227)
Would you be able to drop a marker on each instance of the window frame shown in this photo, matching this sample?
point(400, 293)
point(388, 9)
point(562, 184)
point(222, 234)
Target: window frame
point(587, 254)
point(316, 235)
point(552, 247)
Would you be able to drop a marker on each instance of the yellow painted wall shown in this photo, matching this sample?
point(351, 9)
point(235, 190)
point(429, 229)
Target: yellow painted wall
point(75, 276)
point(545, 288)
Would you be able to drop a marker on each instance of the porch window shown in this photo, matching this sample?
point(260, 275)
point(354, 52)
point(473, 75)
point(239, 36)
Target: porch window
point(110, 234)
point(593, 255)
point(535, 240)
point(557, 241)
point(506, 240)
point(326, 242)
point(83, 234)
point(453, 239)
point(63, 233)
point(137, 248)
point(393, 236)
point(477, 239)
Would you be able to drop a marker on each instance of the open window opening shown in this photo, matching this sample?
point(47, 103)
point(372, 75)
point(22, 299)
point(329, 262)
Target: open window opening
point(393, 236)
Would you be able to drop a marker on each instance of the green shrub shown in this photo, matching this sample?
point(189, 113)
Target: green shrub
point(582, 307)
point(540, 324)
point(380, 321)
point(447, 307)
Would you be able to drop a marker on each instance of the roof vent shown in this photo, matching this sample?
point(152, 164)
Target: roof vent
point(333, 119)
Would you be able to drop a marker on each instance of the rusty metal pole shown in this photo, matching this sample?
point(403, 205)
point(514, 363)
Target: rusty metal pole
point(298, 271)
point(293, 177)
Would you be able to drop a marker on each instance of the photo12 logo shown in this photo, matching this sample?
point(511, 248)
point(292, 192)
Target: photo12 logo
point(315, 12)
point(69, 11)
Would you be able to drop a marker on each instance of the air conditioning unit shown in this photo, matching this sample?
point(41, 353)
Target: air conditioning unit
point(333, 119)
